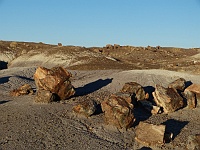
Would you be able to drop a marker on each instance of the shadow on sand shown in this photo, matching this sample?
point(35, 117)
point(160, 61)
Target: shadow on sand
point(4, 101)
point(92, 87)
point(174, 126)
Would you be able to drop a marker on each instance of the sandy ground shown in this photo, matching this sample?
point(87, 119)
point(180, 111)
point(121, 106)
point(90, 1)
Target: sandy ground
point(27, 125)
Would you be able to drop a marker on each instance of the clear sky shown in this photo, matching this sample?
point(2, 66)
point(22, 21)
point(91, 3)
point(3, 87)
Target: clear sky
point(99, 22)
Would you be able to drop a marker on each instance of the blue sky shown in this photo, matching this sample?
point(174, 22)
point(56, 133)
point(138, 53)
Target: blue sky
point(99, 22)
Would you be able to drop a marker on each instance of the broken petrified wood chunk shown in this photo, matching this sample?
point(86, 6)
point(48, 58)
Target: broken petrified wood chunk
point(150, 107)
point(134, 89)
point(44, 96)
point(87, 107)
point(168, 99)
point(178, 84)
point(192, 94)
point(55, 80)
point(118, 112)
point(150, 134)
point(22, 90)
point(193, 142)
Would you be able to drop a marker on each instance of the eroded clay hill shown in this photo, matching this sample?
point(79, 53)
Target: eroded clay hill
point(25, 54)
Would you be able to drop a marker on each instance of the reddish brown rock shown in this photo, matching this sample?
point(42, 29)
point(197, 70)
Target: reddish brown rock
point(118, 112)
point(178, 84)
point(55, 80)
point(193, 142)
point(168, 99)
point(134, 88)
point(150, 134)
point(192, 94)
point(23, 90)
point(86, 107)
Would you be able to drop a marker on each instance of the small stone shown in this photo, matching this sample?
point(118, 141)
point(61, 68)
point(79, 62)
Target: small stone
point(118, 112)
point(134, 88)
point(23, 90)
point(168, 99)
point(86, 108)
point(193, 142)
point(150, 134)
point(44, 96)
point(178, 84)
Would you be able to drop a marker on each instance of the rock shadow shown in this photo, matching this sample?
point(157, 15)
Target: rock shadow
point(98, 110)
point(149, 90)
point(145, 148)
point(3, 65)
point(92, 87)
point(4, 101)
point(4, 80)
point(25, 78)
point(140, 114)
point(174, 126)
point(188, 83)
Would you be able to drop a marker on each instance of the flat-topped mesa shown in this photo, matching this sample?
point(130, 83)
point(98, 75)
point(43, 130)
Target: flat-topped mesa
point(55, 80)
point(168, 99)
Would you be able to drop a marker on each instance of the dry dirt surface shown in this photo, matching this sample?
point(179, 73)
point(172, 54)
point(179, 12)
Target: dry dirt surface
point(97, 72)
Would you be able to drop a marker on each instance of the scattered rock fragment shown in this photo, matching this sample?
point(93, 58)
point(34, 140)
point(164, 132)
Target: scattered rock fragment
point(23, 90)
point(150, 134)
point(118, 112)
point(178, 84)
point(193, 142)
point(192, 94)
point(150, 107)
point(168, 99)
point(86, 108)
point(55, 80)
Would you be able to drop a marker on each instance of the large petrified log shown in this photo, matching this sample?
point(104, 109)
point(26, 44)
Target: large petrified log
point(192, 94)
point(55, 80)
point(150, 134)
point(168, 99)
point(118, 111)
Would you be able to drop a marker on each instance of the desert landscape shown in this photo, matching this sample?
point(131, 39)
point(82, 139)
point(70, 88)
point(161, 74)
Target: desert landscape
point(98, 77)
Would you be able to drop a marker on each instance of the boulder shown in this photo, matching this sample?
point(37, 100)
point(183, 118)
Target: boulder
point(44, 96)
point(22, 90)
point(168, 99)
point(55, 80)
point(86, 107)
point(135, 89)
point(118, 112)
point(150, 134)
point(178, 84)
point(193, 142)
point(192, 94)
